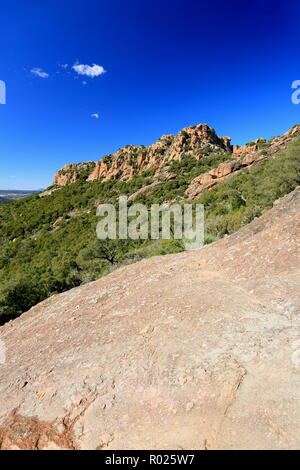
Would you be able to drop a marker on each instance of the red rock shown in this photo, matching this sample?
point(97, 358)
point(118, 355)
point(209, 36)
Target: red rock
point(244, 157)
point(132, 160)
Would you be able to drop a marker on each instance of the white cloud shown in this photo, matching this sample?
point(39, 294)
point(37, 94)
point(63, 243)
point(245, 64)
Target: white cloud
point(84, 82)
point(39, 72)
point(64, 66)
point(89, 70)
point(95, 115)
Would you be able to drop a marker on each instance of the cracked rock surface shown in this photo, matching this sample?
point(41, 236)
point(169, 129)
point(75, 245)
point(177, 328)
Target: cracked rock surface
point(198, 350)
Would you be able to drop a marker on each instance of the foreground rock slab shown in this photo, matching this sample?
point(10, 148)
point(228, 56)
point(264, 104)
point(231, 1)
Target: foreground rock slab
point(199, 350)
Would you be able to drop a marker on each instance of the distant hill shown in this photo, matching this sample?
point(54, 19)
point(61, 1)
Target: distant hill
point(8, 195)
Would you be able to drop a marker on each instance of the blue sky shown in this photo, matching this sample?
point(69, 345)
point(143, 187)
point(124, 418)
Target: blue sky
point(169, 64)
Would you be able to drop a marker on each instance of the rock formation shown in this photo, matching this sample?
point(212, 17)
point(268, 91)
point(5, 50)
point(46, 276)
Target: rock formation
point(244, 157)
point(196, 141)
point(134, 159)
point(72, 172)
point(198, 350)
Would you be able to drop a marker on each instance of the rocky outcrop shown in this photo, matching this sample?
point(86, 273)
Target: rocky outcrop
point(198, 350)
point(132, 160)
point(73, 172)
point(217, 175)
point(50, 191)
point(242, 157)
point(196, 141)
point(244, 150)
point(136, 159)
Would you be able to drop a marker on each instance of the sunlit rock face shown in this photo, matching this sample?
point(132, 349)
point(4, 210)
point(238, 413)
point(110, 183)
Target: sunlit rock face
point(134, 159)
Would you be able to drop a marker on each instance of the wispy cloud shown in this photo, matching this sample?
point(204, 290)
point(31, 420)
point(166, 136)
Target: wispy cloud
point(95, 115)
point(39, 72)
point(89, 70)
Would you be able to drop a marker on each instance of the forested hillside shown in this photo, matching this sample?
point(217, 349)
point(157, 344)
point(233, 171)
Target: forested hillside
point(49, 244)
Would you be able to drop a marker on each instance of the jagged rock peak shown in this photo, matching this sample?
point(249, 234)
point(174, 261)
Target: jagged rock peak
point(73, 172)
point(134, 159)
point(195, 141)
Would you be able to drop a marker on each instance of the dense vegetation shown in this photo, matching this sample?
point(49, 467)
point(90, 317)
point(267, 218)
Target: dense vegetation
point(48, 244)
